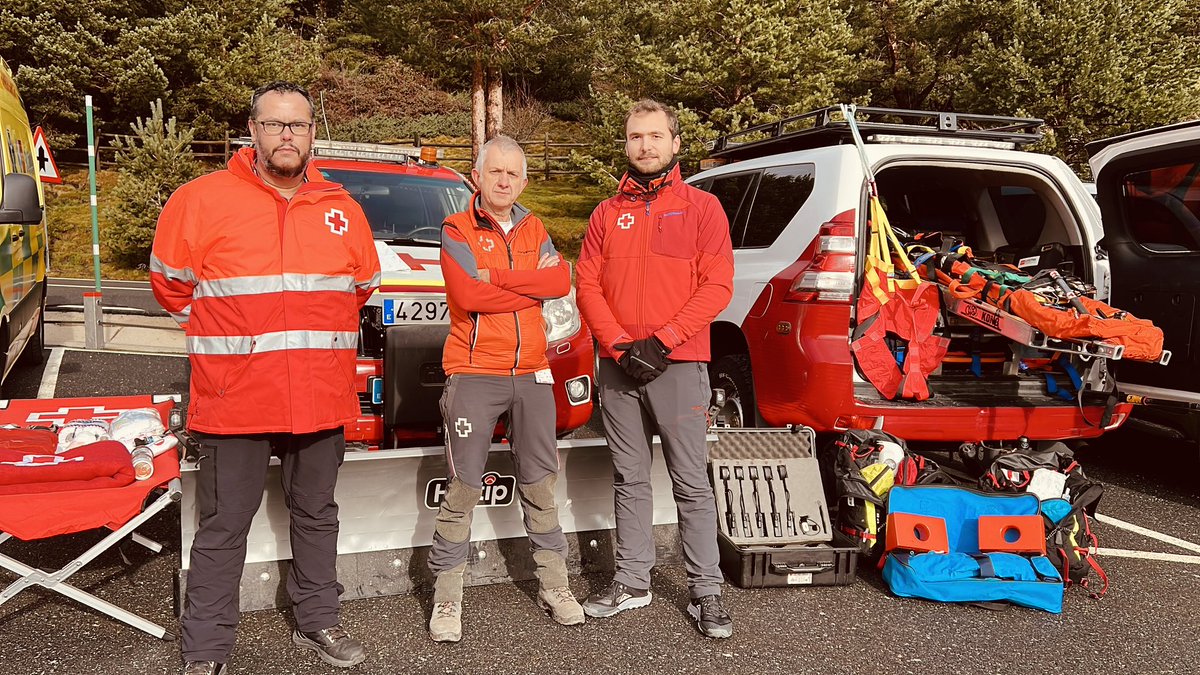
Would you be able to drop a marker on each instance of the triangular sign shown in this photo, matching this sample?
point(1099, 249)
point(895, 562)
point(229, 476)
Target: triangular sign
point(47, 168)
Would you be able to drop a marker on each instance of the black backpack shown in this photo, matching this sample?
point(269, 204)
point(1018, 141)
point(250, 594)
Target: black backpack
point(1070, 540)
point(858, 484)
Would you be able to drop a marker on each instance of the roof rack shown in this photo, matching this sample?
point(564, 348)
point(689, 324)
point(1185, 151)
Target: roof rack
point(827, 126)
point(372, 152)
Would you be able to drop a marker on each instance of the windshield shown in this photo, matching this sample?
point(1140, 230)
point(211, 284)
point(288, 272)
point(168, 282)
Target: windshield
point(400, 206)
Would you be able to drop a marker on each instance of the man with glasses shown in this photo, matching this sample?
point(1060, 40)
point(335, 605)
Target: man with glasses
point(265, 265)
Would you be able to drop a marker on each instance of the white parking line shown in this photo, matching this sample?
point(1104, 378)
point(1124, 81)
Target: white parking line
point(50, 374)
point(1137, 529)
point(1149, 555)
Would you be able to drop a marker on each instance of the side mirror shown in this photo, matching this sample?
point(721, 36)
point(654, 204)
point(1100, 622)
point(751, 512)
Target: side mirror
point(20, 205)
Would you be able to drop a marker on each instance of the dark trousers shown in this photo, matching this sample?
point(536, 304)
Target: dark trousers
point(232, 474)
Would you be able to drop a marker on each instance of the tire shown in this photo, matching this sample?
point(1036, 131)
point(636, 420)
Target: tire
point(34, 353)
point(732, 373)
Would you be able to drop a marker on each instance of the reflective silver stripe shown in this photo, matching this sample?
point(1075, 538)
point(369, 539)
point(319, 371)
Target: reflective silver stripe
point(182, 317)
point(272, 342)
point(372, 283)
point(274, 283)
point(182, 274)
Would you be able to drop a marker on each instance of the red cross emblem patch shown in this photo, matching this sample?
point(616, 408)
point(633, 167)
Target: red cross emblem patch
point(336, 221)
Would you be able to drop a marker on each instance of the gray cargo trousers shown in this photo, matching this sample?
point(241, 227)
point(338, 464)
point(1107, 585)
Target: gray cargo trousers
point(471, 407)
point(674, 405)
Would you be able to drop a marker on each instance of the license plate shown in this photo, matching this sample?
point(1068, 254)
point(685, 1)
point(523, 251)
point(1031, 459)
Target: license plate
point(414, 309)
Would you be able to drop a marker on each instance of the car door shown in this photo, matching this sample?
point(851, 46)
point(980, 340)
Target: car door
point(1148, 189)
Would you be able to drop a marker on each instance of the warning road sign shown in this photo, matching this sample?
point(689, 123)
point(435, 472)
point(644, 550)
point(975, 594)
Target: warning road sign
point(47, 168)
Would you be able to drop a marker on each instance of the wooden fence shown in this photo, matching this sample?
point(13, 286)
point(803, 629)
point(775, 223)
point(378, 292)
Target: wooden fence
point(547, 158)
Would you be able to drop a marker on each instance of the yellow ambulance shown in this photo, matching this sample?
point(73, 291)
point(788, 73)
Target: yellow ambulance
point(22, 234)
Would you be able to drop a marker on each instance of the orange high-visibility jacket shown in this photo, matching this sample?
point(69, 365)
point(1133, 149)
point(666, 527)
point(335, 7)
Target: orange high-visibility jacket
point(656, 263)
point(496, 328)
point(268, 291)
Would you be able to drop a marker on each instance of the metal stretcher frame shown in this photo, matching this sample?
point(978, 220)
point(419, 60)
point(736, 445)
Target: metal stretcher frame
point(1018, 330)
point(57, 581)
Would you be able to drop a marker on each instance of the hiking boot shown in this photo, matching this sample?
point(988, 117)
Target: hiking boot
point(334, 645)
point(445, 624)
point(616, 598)
point(203, 668)
point(711, 618)
point(561, 604)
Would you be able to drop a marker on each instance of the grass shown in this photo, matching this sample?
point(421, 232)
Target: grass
point(563, 205)
point(69, 217)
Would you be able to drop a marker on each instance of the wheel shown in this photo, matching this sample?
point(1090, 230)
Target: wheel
point(732, 374)
point(34, 349)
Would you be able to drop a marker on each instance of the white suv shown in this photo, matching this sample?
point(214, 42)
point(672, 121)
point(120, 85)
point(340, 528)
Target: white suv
point(796, 197)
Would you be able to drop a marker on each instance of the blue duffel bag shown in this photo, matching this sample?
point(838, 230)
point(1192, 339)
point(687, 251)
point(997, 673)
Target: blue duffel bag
point(963, 574)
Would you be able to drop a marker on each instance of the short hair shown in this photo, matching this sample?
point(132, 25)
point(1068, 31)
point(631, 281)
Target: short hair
point(507, 144)
point(280, 87)
point(649, 105)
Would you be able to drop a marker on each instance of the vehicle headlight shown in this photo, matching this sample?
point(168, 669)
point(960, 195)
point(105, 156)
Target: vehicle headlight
point(561, 317)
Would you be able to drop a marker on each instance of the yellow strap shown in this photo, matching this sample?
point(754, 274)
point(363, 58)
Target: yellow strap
point(882, 230)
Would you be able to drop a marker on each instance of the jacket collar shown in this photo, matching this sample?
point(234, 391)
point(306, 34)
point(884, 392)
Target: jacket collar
point(635, 190)
point(483, 218)
point(241, 164)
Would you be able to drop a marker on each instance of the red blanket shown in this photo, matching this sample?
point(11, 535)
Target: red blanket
point(99, 465)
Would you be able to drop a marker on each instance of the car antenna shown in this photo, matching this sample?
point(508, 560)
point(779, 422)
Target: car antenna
point(325, 116)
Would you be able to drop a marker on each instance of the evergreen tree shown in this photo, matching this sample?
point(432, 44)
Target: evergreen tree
point(152, 163)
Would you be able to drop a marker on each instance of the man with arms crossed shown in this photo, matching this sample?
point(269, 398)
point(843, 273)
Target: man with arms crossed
point(656, 268)
point(499, 265)
point(266, 265)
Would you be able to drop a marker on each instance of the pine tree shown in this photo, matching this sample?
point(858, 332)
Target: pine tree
point(151, 163)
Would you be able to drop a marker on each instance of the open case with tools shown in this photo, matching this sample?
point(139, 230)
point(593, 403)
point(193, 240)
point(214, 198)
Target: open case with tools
point(773, 525)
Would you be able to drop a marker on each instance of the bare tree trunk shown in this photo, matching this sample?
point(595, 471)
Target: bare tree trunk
point(478, 108)
point(495, 102)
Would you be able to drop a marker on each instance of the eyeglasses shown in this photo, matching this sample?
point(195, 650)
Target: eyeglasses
point(273, 128)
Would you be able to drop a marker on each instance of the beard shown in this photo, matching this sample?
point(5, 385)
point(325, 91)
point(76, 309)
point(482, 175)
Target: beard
point(652, 165)
point(286, 171)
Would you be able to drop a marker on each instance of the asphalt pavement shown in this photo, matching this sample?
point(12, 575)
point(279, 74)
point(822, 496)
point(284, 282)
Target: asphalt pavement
point(1146, 623)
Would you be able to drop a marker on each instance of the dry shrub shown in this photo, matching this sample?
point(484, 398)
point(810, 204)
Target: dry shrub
point(387, 88)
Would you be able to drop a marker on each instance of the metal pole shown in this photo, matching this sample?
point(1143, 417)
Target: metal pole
point(93, 330)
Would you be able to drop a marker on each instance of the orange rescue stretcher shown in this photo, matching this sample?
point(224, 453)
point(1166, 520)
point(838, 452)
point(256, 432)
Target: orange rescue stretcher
point(1044, 311)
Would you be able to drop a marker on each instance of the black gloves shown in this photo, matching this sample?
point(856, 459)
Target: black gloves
point(643, 360)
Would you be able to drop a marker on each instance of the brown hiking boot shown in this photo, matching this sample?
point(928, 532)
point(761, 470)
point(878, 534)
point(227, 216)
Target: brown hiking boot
point(561, 604)
point(445, 624)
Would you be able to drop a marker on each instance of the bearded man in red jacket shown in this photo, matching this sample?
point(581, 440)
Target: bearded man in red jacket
point(266, 264)
point(656, 268)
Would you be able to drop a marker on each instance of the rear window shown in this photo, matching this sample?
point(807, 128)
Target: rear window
point(782, 190)
point(1162, 207)
point(400, 206)
point(731, 191)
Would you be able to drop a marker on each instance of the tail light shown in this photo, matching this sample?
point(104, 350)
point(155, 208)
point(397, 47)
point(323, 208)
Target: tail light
point(829, 277)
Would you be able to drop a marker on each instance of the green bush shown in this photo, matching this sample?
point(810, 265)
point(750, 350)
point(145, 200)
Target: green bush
point(151, 164)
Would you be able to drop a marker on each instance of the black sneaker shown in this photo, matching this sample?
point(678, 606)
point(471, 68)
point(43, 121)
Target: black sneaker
point(203, 668)
point(334, 645)
point(616, 598)
point(711, 618)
